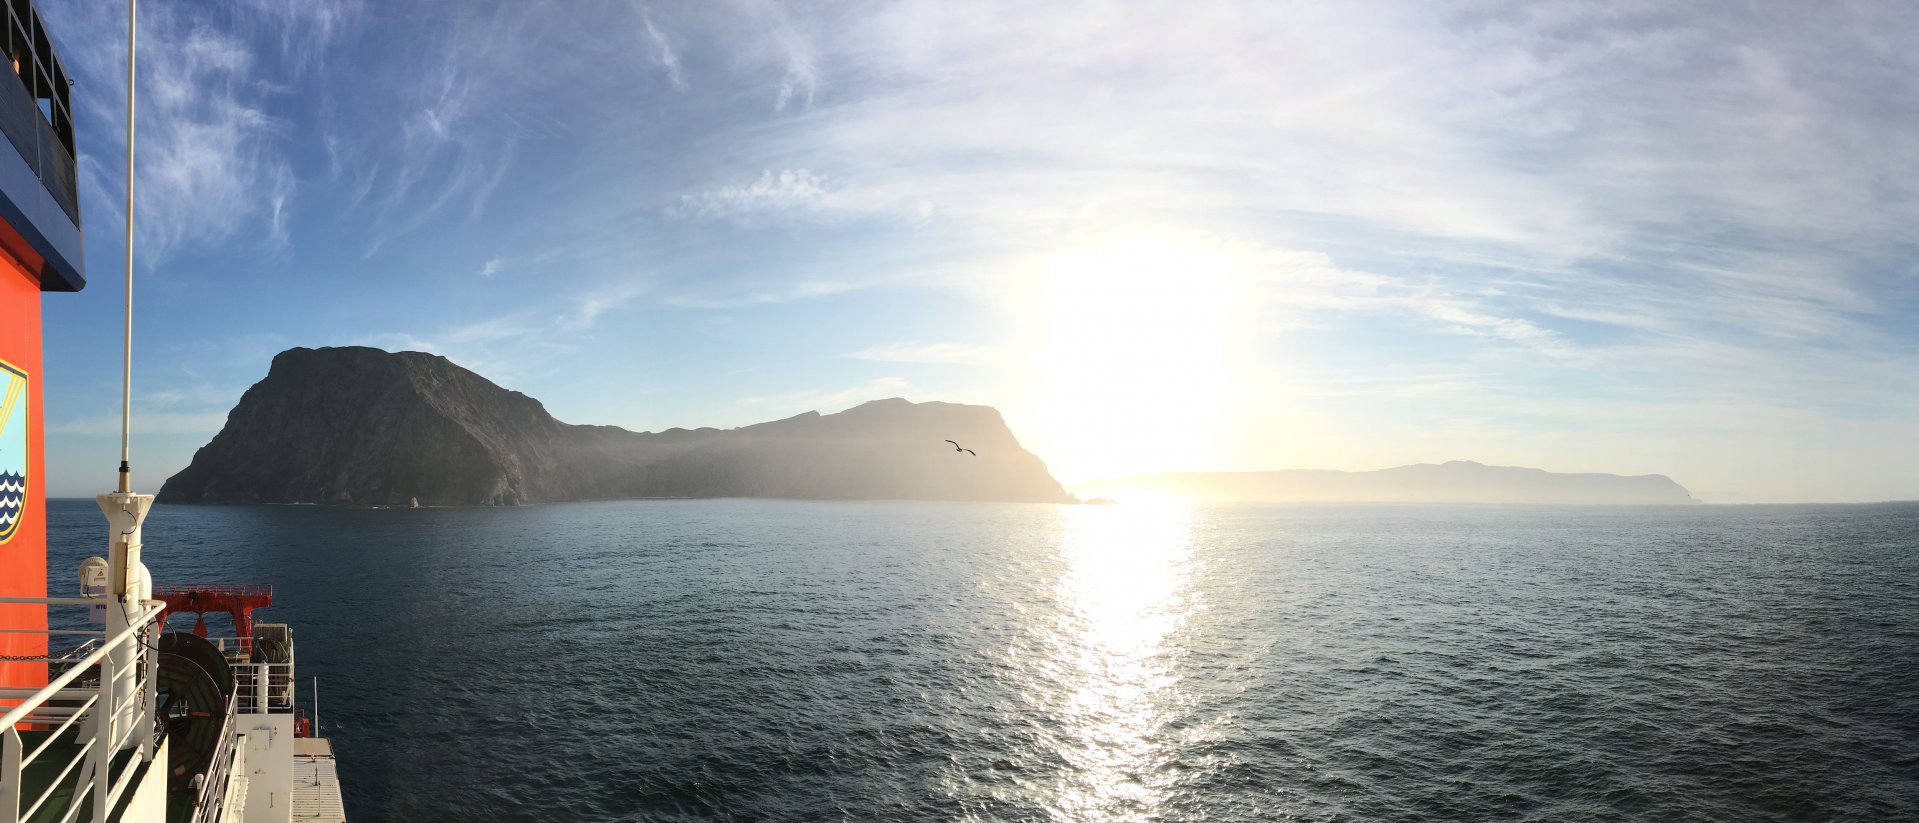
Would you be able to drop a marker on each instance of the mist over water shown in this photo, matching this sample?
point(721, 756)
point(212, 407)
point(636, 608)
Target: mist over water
point(769, 660)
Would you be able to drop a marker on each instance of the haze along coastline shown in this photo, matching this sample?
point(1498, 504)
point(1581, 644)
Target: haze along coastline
point(362, 426)
point(1459, 481)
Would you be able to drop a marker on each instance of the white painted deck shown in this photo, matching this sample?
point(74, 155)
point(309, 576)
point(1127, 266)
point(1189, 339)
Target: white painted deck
point(316, 787)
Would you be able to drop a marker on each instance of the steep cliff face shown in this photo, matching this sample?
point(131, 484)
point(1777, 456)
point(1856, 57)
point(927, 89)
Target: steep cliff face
point(359, 425)
point(1460, 481)
point(882, 449)
point(363, 426)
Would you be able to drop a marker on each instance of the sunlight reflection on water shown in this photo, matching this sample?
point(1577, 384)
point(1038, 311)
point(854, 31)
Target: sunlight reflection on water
point(923, 662)
point(1125, 593)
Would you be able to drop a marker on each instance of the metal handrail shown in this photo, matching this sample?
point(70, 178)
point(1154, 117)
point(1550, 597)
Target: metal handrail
point(213, 792)
point(20, 712)
point(81, 710)
point(265, 688)
point(217, 589)
point(58, 779)
point(33, 709)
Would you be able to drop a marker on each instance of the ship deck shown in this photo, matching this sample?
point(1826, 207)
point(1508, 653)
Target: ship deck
point(46, 771)
point(316, 786)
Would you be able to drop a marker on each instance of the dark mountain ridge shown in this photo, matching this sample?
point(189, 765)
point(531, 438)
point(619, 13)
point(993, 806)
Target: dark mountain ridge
point(1458, 481)
point(362, 426)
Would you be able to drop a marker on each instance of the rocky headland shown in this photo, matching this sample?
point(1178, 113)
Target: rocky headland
point(362, 426)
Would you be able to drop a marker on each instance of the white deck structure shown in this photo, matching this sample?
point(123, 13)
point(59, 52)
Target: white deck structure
point(316, 787)
point(87, 747)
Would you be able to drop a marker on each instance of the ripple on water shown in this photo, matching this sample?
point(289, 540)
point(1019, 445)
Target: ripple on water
point(764, 660)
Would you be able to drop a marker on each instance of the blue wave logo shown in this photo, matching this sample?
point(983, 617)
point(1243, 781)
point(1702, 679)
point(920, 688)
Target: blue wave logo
point(13, 449)
point(13, 498)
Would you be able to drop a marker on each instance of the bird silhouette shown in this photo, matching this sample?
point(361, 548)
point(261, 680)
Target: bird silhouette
point(958, 448)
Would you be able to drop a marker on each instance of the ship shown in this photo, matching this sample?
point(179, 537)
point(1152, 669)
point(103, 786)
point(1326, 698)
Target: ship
point(111, 707)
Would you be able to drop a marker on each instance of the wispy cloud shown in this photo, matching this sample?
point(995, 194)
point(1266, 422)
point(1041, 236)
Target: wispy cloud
point(784, 41)
point(943, 353)
point(587, 309)
point(831, 400)
point(212, 166)
point(794, 194)
point(809, 289)
point(277, 205)
point(1601, 216)
point(801, 80)
point(1639, 190)
point(517, 344)
point(1418, 384)
point(1388, 128)
point(504, 349)
point(205, 421)
point(454, 129)
point(792, 190)
point(662, 50)
point(1466, 318)
point(186, 404)
point(305, 29)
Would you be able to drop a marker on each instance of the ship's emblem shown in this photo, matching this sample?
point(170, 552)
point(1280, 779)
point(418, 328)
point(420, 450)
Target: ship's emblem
point(13, 449)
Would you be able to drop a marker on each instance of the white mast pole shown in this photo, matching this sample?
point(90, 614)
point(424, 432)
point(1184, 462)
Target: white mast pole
point(126, 702)
point(126, 360)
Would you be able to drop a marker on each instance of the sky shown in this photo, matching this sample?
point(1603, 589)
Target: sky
point(1624, 237)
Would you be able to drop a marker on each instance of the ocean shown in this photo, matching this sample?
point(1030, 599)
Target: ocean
point(777, 660)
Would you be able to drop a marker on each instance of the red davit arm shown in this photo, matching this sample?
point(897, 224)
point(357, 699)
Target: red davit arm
point(238, 601)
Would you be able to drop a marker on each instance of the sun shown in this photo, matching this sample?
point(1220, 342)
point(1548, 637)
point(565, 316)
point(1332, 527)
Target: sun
point(1136, 361)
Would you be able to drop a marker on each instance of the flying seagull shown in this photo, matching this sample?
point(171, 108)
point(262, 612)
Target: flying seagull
point(958, 448)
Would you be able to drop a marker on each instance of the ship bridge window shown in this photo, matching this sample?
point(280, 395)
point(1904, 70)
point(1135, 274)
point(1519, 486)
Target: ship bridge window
point(31, 52)
point(44, 88)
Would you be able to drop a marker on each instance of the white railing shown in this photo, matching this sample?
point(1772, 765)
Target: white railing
point(211, 801)
point(260, 688)
point(242, 646)
point(263, 688)
point(89, 721)
point(233, 803)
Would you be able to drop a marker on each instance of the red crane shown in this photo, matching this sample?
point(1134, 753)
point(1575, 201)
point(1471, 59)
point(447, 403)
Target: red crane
point(238, 601)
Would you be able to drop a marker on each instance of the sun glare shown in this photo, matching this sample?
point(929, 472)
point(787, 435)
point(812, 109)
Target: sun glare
point(1136, 357)
point(1127, 592)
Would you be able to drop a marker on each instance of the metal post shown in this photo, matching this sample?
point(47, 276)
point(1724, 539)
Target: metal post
point(128, 589)
point(316, 705)
point(9, 775)
point(149, 691)
point(105, 712)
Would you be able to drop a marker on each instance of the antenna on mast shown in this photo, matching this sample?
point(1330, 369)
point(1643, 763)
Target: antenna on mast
point(126, 359)
point(129, 584)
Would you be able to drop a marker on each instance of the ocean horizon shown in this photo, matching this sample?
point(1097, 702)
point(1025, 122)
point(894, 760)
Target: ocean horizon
point(742, 659)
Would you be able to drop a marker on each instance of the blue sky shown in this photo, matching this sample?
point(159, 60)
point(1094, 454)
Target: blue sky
point(1622, 237)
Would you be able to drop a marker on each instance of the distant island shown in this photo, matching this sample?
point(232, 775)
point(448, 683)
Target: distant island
point(1459, 481)
point(362, 426)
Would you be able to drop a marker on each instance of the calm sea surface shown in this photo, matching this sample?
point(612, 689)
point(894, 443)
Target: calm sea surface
point(766, 660)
